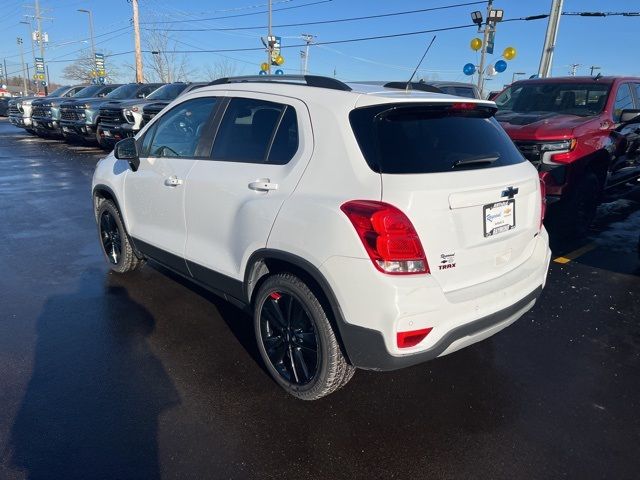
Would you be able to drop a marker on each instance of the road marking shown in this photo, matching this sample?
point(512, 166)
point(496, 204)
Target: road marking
point(575, 254)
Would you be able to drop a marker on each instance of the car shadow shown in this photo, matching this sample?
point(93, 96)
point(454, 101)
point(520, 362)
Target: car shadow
point(92, 404)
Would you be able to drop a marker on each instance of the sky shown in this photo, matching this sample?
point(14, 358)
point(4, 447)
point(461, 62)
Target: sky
point(610, 42)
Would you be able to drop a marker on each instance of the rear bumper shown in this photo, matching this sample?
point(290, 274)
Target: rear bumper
point(366, 347)
point(375, 307)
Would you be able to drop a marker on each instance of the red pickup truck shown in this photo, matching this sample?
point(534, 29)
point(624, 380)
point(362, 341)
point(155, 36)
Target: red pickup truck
point(583, 135)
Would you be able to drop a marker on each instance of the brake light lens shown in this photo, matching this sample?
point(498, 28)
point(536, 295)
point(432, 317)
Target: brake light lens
point(412, 338)
point(463, 106)
point(543, 201)
point(388, 237)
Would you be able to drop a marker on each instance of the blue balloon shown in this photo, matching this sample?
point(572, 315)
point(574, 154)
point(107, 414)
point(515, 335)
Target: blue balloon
point(279, 72)
point(262, 72)
point(469, 69)
point(500, 66)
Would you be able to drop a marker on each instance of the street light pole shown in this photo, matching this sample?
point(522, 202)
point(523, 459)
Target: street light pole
point(24, 79)
point(93, 45)
point(483, 51)
point(33, 49)
point(513, 77)
point(308, 39)
point(550, 39)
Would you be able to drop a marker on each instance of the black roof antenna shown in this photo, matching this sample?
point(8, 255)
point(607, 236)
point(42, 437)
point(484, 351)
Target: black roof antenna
point(408, 87)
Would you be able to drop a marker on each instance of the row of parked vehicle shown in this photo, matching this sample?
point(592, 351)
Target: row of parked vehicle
point(101, 114)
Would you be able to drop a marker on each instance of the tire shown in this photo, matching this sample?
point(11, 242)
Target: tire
point(286, 339)
point(114, 240)
point(574, 213)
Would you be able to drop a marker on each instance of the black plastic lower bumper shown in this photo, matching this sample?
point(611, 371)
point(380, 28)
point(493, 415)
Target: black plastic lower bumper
point(367, 350)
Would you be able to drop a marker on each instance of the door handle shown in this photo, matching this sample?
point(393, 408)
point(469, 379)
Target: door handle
point(263, 185)
point(173, 181)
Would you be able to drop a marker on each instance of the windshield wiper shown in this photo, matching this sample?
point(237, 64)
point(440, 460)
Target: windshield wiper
point(477, 160)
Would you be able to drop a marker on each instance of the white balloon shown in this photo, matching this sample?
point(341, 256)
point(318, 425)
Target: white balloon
point(491, 70)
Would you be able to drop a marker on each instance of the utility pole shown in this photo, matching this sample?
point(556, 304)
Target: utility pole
point(594, 67)
point(269, 39)
point(550, 39)
point(6, 76)
point(572, 69)
point(41, 38)
point(136, 34)
point(48, 81)
point(24, 79)
point(308, 38)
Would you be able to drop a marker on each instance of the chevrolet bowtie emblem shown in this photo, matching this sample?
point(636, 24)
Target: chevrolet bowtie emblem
point(510, 192)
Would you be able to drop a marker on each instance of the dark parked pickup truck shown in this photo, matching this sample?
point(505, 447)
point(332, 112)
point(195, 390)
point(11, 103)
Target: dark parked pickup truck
point(79, 117)
point(583, 135)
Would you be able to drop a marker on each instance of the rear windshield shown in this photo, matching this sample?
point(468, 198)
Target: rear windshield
point(413, 138)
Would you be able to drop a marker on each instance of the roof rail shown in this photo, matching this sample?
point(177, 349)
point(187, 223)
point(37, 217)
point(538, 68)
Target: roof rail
point(422, 86)
point(308, 80)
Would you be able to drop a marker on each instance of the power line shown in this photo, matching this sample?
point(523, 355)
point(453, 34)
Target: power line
point(237, 15)
point(602, 14)
point(322, 22)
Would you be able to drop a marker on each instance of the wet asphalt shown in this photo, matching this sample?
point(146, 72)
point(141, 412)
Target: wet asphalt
point(146, 376)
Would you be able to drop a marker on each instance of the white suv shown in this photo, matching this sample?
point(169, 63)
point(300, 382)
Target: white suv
point(362, 226)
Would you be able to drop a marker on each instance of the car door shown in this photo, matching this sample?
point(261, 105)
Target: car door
point(261, 148)
point(154, 194)
point(625, 163)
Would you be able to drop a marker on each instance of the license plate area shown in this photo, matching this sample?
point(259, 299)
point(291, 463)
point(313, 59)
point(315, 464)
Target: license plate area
point(499, 217)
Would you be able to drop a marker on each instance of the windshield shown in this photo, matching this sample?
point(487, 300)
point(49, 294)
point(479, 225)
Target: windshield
point(58, 92)
point(124, 92)
point(87, 92)
point(581, 99)
point(168, 92)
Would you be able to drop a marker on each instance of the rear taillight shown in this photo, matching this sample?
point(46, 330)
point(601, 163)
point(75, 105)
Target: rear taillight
point(388, 237)
point(543, 201)
point(412, 338)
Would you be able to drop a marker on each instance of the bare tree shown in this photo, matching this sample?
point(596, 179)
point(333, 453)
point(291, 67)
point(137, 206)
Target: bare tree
point(164, 64)
point(82, 69)
point(221, 68)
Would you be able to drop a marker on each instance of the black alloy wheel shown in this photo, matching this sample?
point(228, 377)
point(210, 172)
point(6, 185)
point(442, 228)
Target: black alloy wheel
point(289, 338)
point(110, 236)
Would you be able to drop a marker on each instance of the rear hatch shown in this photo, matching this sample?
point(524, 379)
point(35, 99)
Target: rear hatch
point(471, 196)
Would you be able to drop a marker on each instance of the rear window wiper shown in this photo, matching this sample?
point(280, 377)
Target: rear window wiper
point(476, 160)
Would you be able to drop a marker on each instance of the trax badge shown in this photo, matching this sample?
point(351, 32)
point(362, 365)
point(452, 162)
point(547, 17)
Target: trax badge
point(447, 260)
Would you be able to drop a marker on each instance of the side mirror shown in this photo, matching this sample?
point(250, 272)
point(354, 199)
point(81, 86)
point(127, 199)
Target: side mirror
point(126, 150)
point(630, 116)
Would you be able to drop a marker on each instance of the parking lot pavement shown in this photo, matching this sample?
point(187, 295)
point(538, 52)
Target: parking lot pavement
point(147, 376)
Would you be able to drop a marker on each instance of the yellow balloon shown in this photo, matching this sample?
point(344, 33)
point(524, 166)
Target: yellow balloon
point(264, 66)
point(509, 53)
point(476, 44)
point(279, 60)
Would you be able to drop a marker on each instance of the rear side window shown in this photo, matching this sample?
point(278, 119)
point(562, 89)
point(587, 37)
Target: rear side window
point(411, 139)
point(256, 131)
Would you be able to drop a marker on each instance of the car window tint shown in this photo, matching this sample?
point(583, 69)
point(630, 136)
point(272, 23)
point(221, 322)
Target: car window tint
point(146, 90)
point(178, 132)
point(414, 138)
point(285, 143)
point(146, 140)
point(246, 130)
point(624, 101)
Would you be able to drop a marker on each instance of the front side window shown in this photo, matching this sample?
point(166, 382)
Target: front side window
point(256, 131)
point(624, 101)
point(178, 132)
